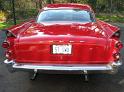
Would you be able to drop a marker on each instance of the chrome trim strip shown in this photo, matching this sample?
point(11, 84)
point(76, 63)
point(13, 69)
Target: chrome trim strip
point(63, 67)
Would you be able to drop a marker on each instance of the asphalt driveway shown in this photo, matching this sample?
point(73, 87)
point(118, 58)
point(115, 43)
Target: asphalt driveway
point(19, 81)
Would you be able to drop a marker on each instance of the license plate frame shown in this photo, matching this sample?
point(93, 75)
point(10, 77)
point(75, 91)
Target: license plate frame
point(62, 49)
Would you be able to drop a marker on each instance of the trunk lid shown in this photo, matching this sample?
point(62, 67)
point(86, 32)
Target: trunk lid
point(69, 28)
point(88, 44)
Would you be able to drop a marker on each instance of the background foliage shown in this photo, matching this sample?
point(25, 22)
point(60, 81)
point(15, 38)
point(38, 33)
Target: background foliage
point(107, 10)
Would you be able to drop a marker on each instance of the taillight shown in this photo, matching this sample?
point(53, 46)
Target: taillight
point(116, 35)
point(116, 56)
point(8, 54)
point(5, 45)
point(119, 45)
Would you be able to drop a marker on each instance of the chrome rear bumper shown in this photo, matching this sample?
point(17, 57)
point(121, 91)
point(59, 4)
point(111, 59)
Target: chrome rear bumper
point(92, 67)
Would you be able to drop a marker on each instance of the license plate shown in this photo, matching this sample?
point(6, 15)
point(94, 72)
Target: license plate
point(62, 49)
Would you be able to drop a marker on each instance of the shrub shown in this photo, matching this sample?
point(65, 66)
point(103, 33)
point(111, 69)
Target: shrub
point(2, 16)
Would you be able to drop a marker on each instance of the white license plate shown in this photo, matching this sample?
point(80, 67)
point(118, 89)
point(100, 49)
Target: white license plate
point(62, 49)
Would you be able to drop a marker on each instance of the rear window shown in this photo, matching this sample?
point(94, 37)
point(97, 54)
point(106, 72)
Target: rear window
point(72, 15)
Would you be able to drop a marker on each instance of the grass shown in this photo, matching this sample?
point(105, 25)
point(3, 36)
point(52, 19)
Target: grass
point(4, 25)
point(8, 24)
point(111, 18)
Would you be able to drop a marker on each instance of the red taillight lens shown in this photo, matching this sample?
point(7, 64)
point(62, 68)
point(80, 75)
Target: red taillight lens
point(119, 45)
point(116, 56)
point(5, 45)
point(8, 54)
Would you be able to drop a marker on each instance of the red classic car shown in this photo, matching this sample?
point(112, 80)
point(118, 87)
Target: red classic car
point(63, 38)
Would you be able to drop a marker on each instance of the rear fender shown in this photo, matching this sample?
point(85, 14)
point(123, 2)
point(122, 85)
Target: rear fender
point(109, 29)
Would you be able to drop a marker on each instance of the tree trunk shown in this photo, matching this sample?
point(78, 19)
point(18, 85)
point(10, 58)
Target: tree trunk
point(40, 4)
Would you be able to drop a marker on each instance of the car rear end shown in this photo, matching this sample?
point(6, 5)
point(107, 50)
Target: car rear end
point(59, 41)
point(64, 53)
